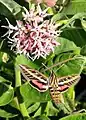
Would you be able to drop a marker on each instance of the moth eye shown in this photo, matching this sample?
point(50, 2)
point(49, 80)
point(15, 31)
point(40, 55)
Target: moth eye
point(69, 77)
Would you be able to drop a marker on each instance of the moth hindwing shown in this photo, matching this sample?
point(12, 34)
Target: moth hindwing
point(36, 79)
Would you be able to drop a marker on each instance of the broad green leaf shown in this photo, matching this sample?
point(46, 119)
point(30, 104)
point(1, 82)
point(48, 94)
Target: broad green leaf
point(21, 59)
point(65, 46)
point(66, 64)
point(75, 6)
point(6, 94)
point(77, 116)
point(77, 36)
point(6, 114)
point(33, 95)
point(75, 33)
point(9, 7)
point(74, 66)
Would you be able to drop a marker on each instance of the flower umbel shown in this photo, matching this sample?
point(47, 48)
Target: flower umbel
point(34, 36)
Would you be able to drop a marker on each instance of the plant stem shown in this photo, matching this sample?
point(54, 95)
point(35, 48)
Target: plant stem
point(17, 77)
point(22, 107)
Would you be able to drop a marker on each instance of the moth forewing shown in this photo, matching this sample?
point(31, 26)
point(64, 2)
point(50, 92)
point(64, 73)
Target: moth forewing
point(29, 73)
point(24, 72)
point(36, 79)
point(67, 82)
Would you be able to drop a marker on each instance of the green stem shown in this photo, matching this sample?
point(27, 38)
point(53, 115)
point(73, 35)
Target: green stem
point(18, 84)
point(17, 77)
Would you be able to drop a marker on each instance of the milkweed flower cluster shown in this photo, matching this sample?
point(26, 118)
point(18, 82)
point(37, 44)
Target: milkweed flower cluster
point(33, 36)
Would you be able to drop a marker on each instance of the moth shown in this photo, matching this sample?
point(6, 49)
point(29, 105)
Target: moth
point(42, 83)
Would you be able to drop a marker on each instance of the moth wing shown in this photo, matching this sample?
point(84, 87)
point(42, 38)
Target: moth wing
point(67, 81)
point(36, 79)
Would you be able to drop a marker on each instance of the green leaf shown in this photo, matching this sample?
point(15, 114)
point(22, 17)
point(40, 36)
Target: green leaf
point(51, 110)
point(33, 107)
point(77, 36)
point(14, 103)
point(38, 112)
point(77, 116)
point(6, 94)
point(9, 7)
point(75, 6)
point(6, 114)
point(2, 80)
point(69, 99)
point(33, 95)
point(21, 59)
point(75, 33)
point(65, 46)
point(83, 51)
point(74, 66)
point(66, 64)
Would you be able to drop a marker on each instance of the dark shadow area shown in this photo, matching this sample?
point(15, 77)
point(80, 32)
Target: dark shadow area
point(80, 89)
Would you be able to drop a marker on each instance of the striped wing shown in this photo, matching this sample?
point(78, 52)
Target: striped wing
point(67, 81)
point(59, 85)
point(35, 78)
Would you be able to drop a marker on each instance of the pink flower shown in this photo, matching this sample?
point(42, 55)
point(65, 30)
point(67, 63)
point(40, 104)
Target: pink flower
point(49, 3)
point(35, 37)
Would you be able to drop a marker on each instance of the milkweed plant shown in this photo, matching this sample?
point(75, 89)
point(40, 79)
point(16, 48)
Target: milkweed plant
point(48, 37)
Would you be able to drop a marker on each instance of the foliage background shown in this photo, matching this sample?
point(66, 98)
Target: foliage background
point(18, 100)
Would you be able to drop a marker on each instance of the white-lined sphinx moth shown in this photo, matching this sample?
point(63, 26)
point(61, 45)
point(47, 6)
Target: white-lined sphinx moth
point(42, 83)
